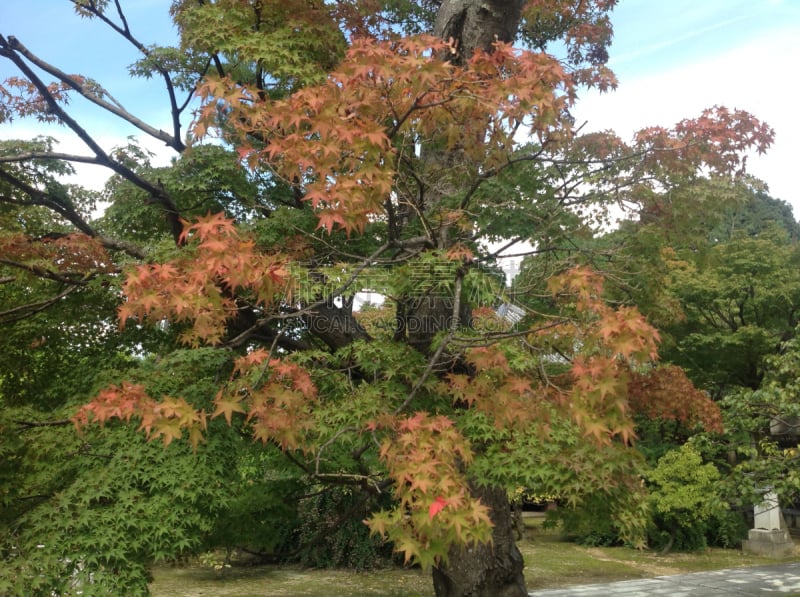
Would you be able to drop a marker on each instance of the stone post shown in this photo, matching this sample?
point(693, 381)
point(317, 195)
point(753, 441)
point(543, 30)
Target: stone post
point(769, 535)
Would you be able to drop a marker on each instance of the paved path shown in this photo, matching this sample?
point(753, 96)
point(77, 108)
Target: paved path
point(780, 579)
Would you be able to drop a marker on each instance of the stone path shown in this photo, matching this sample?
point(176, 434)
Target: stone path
point(780, 579)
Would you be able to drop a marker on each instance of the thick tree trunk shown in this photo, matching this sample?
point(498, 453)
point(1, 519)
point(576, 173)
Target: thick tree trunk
point(335, 325)
point(477, 24)
point(493, 570)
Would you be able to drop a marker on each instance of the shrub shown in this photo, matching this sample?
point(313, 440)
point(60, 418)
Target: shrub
point(591, 524)
point(617, 516)
point(685, 502)
point(331, 532)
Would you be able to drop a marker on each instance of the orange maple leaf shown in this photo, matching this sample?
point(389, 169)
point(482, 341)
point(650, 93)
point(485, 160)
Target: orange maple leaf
point(460, 253)
point(251, 359)
point(519, 385)
point(415, 422)
point(226, 407)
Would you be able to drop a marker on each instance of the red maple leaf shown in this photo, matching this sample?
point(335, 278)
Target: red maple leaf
point(436, 506)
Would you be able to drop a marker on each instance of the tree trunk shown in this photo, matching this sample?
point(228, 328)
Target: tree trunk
point(477, 24)
point(335, 325)
point(493, 570)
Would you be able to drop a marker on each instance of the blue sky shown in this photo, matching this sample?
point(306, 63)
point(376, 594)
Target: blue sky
point(657, 35)
point(673, 58)
point(52, 30)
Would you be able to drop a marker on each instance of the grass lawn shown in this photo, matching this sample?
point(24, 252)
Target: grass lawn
point(550, 563)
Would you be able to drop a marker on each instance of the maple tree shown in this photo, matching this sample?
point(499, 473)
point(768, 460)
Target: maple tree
point(340, 148)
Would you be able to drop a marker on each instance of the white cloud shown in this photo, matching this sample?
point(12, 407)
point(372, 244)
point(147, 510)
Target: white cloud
point(752, 77)
point(87, 175)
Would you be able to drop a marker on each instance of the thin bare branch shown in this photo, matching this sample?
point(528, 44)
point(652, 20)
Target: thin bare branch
point(41, 272)
point(49, 155)
point(45, 200)
point(455, 321)
point(80, 87)
point(156, 191)
point(23, 311)
point(240, 339)
point(125, 32)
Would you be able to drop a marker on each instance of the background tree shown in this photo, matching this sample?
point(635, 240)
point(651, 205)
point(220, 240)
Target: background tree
point(727, 301)
point(360, 164)
point(713, 265)
point(732, 295)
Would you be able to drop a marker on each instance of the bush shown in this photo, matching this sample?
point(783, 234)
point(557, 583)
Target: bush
point(727, 530)
point(617, 516)
point(686, 504)
point(665, 537)
point(331, 532)
point(590, 524)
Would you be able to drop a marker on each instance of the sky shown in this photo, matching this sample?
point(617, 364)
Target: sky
point(673, 58)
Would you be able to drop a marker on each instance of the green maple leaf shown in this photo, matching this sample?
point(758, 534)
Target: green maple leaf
point(409, 548)
point(168, 430)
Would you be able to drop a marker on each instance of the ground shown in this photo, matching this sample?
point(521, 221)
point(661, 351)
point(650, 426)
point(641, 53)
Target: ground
point(551, 562)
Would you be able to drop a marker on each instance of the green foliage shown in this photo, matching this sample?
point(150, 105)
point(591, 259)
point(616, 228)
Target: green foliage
point(727, 529)
point(763, 424)
point(34, 218)
point(70, 344)
point(117, 505)
point(684, 486)
point(204, 179)
point(685, 499)
point(96, 510)
point(715, 266)
point(512, 213)
point(183, 66)
point(260, 511)
point(600, 519)
point(758, 213)
point(291, 44)
point(599, 490)
point(739, 305)
point(414, 16)
point(656, 437)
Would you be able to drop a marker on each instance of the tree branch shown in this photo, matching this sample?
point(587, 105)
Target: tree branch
point(49, 155)
point(455, 321)
point(241, 338)
point(44, 199)
point(158, 193)
point(81, 88)
point(45, 273)
point(23, 311)
point(125, 32)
